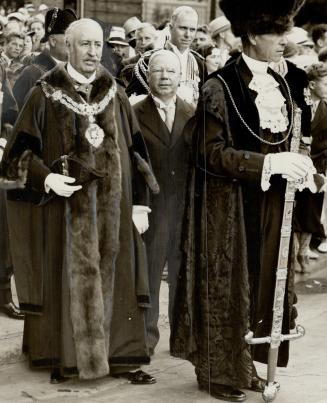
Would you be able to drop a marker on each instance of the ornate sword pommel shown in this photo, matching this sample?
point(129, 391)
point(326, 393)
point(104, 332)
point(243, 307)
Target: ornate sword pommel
point(249, 339)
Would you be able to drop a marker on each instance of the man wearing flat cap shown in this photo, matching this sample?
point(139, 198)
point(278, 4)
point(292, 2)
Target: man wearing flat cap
point(85, 298)
point(235, 207)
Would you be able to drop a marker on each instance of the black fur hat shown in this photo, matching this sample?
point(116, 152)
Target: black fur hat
point(260, 16)
point(57, 21)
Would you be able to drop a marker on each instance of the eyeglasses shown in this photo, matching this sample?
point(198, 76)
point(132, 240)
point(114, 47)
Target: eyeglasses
point(157, 70)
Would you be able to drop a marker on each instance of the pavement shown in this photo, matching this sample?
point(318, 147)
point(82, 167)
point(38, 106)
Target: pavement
point(303, 381)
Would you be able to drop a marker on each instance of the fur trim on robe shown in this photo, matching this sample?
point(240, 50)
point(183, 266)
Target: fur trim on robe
point(92, 227)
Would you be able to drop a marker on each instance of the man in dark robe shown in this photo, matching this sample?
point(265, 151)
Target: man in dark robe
point(56, 22)
point(85, 295)
point(237, 189)
point(8, 110)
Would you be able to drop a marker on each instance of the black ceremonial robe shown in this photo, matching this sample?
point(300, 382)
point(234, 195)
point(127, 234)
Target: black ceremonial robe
point(84, 295)
point(232, 231)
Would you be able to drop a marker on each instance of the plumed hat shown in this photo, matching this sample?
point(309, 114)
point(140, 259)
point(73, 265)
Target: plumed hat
point(57, 21)
point(260, 16)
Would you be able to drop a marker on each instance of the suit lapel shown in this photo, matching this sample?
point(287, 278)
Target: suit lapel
point(181, 117)
point(320, 113)
point(149, 117)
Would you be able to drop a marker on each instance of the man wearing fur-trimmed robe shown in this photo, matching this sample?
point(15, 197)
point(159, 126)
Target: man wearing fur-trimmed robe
point(85, 303)
point(235, 208)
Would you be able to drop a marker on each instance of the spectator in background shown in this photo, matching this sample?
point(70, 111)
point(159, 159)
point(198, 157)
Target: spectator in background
point(118, 42)
point(221, 33)
point(317, 76)
point(322, 56)
point(19, 18)
point(12, 26)
point(213, 57)
point(14, 45)
point(222, 36)
point(3, 23)
point(28, 47)
point(202, 37)
point(145, 36)
point(130, 26)
point(37, 26)
point(319, 37)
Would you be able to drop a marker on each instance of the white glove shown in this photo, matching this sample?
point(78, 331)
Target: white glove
point(140, 218)
point(58, 183)
point(291, 165)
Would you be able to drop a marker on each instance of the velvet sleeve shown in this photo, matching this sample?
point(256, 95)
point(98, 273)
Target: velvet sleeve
point(214, 142)
point(27, 135)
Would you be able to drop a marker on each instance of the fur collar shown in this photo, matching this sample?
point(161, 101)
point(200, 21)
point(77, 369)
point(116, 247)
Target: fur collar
point(58, 78)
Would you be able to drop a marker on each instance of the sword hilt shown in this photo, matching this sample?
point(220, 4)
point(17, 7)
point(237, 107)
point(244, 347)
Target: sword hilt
point(300, 332)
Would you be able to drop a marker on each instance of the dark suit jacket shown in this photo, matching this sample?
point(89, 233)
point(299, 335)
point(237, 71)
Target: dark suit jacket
point(319, 138)
point(169, 155)
point(319, 157)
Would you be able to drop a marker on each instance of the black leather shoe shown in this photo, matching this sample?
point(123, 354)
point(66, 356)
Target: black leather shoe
point(223, 392)
point(11, 311)
point(137, 377)
point(56, 377)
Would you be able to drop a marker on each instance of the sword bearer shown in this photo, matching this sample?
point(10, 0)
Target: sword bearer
point(242, 163)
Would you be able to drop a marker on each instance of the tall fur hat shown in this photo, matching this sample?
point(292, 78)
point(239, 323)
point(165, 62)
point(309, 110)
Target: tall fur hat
point(260, 16)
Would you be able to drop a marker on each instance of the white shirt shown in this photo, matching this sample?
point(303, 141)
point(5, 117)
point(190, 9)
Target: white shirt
point(171, 106)
point(183, 58)
point(270, 102)
point(78, 77)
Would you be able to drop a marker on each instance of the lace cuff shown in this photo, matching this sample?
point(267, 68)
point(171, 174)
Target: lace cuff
point(266, 173)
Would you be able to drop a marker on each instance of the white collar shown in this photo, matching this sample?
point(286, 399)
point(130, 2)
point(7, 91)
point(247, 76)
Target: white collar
point(162, 105)
point(256, 66)
point(78, 76)
point(178, 52)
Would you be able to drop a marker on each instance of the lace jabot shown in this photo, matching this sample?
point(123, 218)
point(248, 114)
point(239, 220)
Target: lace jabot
point(270, 102)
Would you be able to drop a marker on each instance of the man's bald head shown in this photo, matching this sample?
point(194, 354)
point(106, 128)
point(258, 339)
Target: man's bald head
point(183, 25)
point(164, 74)
point(84, 40)
point(84, 24)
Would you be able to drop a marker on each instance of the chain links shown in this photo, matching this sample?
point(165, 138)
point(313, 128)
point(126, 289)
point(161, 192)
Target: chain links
point(83, 109)
point(248, 127)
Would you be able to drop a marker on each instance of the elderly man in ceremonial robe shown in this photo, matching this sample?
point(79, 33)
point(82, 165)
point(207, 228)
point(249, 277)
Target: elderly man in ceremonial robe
point(88, 171)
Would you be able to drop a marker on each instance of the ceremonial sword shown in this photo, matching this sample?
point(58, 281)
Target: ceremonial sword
point(276, 336)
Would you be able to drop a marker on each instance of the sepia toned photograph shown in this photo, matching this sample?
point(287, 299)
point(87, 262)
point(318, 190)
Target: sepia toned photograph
point(163, 201)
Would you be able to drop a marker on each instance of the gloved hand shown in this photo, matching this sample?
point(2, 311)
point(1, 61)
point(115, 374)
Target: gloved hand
point(140, 218)
point(58, 183)
point(291, 165)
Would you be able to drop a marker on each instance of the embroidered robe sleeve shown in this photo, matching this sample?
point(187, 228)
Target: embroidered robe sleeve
point(27, 135)
point(215, 151)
